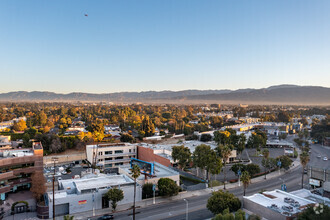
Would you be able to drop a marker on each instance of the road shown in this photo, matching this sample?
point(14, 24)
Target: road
point(197, 205)
point(176, 210)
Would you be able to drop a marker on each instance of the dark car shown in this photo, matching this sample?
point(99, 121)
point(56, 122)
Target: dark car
point(106, 216)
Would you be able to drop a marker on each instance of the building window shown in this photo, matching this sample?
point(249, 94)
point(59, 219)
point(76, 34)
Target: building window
point(106, 159)
point(107, 152)
point(118, 164)
point(119, 158)
point(119, 151)
point(130, 150)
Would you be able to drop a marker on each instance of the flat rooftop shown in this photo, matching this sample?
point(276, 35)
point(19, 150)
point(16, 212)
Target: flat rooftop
point(111, 145)
point(12, 153)
point(276, 197)
point(159, 169)
point(90, 182)
point(304, 193)
point(190, 144)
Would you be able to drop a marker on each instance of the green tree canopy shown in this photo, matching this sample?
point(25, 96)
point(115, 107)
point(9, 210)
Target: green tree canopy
point(182, 155)
point(220, 200)
point(167, 187)
point(115, 195)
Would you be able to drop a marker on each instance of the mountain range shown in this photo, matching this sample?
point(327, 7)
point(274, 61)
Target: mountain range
point(280, 94)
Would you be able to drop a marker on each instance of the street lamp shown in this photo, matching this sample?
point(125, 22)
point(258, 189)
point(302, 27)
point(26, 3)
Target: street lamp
point(186, 208)
point(54, 159)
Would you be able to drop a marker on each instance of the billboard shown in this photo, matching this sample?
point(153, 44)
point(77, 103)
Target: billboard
point(314, 182)
point(145, 167)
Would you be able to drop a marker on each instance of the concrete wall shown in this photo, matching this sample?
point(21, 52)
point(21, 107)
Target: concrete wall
point(65, 159)
point(75, 207)
point(262, 211)
point(147, 154)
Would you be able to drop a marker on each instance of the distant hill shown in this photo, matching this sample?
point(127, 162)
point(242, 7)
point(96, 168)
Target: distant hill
point(281, 94)
point(275, 94)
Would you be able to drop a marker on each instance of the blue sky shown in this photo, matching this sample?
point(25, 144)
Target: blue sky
point(143, 45)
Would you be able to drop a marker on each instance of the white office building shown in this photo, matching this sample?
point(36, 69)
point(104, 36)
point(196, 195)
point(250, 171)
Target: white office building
point(111, 155)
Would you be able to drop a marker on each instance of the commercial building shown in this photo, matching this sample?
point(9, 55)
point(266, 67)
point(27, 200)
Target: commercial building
point(111, 155)
point(17, 166)
point(88, 193)
point(276, 204)
point(151, 153)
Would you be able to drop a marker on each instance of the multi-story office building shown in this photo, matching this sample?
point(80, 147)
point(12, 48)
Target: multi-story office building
point(16, 168)
point(111, 155)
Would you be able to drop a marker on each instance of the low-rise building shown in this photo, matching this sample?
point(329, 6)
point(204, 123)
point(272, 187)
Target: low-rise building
point(276, 204)
point(17, 166)
point(88, 193)
point(111, 155)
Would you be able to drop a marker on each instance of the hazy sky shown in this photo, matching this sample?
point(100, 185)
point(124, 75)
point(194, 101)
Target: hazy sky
point(144, 45)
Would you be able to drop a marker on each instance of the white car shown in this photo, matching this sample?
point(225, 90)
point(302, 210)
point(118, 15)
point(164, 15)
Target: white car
point(325, 158)
point(318, 156)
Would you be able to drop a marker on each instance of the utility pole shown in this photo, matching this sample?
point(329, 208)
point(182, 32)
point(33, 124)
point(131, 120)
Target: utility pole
point(54, 160)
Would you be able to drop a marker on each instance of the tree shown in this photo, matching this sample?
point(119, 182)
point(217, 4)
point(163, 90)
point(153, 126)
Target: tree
point(55, 145)
point(310, 213)
point(41, 118)
point(222, 137)
point(167, 187)
point(214, 165)
point(246, 179)
point(201, 156)
point(238, 166)
point(226, 215)
point(241, 144)
point(257, 139)
point(283, 117)
point(268, 163)
point(20, 125)
point(253, 169)
point(225, 152)
point(206, 137)
point(254, 217)
point(304, 159)
point(126, 138)
point(38, 187)
point(147, 190)
point(265, 153)
point(135, 174)
point(115, 195)
point(220, 200)
point(147, 126)
point(285, 161)
point(182, 155)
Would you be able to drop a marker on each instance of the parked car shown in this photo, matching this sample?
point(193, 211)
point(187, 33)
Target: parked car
point(106, 216)
point(319, 156)
point(325, 158)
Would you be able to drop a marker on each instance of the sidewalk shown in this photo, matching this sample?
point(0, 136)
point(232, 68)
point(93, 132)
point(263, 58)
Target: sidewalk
point(159, 200)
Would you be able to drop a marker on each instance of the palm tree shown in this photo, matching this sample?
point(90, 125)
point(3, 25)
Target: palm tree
point(225, 153)
point(246, 179)
point(304, 159)
point(265, 153)
point(135, 174)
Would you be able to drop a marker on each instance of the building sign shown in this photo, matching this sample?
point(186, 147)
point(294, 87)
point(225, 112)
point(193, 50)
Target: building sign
point(145, 167)
point(81, 202)
point(314, 182)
